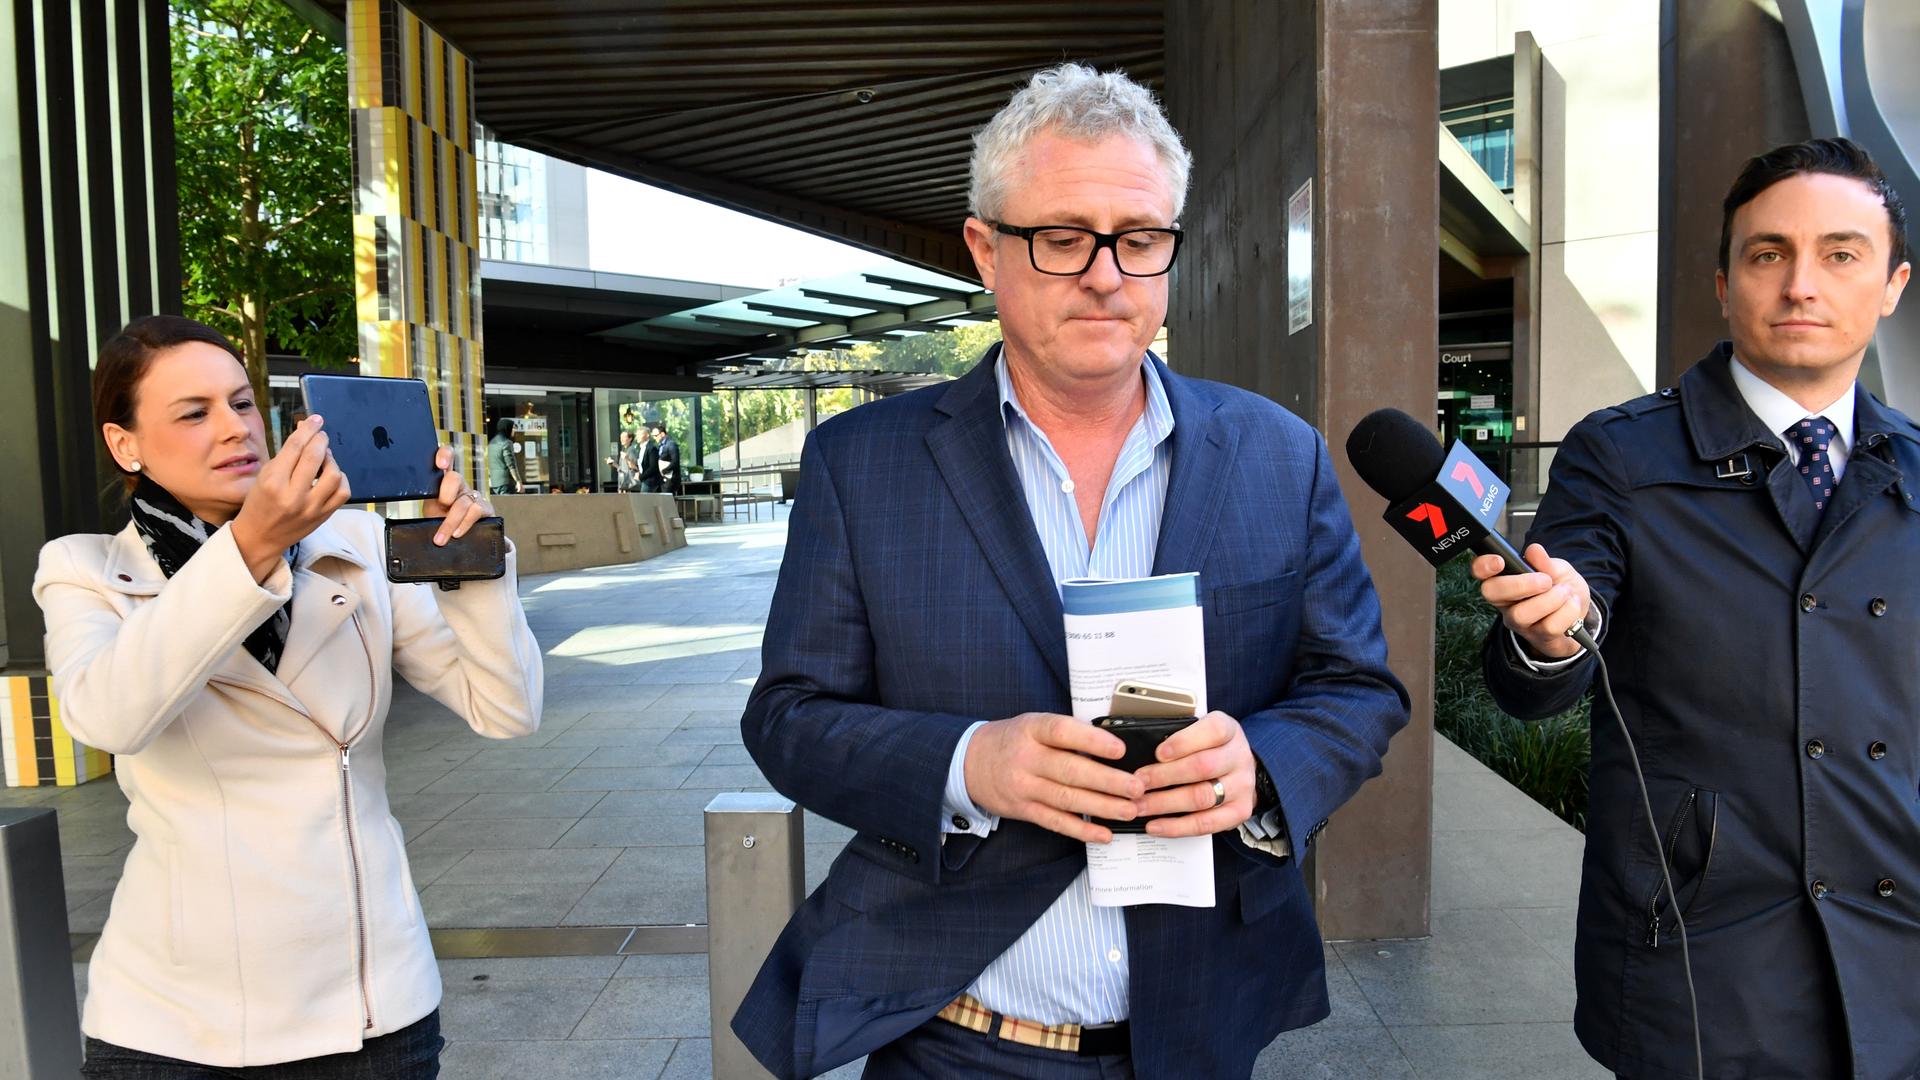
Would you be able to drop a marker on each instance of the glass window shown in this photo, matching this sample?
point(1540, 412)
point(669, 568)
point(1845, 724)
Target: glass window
point(1485, 129)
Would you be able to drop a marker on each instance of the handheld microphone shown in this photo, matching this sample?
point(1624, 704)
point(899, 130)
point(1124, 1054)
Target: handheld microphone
point(1442, 503)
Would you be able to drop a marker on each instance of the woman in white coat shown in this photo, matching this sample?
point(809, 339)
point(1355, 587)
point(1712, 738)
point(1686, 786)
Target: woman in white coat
point(235, 647)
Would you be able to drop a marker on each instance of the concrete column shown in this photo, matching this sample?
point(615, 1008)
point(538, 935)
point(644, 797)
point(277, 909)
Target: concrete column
point(1342, 95)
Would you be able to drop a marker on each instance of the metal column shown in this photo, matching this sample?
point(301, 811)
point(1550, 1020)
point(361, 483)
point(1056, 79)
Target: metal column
point(756, 876)
point(39, 1024)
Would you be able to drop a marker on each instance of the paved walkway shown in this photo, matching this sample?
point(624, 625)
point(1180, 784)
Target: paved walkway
point(595, 822)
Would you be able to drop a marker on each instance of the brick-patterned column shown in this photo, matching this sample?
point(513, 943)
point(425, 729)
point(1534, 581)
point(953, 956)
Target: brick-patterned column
point(415, 215)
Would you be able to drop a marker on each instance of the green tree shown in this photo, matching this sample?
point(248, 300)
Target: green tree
point(266, 180)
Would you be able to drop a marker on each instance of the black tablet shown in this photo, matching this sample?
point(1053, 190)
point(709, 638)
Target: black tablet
point(381, 434)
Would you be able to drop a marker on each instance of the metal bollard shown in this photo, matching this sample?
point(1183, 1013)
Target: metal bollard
point(756, 877)
point(39, 1025)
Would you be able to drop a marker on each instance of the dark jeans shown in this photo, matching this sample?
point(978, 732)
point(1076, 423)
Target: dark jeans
point(412, 1053)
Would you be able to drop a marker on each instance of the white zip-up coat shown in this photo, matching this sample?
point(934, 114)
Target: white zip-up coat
point(266, 912)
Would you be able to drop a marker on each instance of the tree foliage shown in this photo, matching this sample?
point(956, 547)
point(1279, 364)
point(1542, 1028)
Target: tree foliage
point(265, 168)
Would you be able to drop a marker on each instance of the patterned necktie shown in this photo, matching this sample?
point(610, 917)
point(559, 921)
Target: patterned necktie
point(1813, 437)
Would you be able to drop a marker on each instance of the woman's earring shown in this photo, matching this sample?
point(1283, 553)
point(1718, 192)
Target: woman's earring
point(133, 466)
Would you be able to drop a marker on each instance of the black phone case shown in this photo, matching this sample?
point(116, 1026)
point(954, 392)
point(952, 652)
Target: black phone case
point(412, 556)
point(1143, 736)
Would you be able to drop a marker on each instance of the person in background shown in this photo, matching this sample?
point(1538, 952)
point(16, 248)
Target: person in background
point(650, 462)
point(669, 459)
point(626, 463)
point(503, 463)
point(235, 646)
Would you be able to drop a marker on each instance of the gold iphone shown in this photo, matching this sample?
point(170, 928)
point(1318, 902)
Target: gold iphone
point(1132, 697)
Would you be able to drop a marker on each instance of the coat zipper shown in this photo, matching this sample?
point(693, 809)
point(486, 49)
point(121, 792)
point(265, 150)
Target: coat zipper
point(1673, 839)
point(346, 803)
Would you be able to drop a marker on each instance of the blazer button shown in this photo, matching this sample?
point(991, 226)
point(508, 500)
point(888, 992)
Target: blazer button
point(1878, 606)
point(1820, 889)
point(1808, 602)
point(1885, 887)
point(1816, 749)
point(1876, 750)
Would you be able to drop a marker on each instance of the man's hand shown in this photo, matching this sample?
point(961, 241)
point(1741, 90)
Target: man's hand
point(1212, 748)
point(1540, 607)
point(1034, 767)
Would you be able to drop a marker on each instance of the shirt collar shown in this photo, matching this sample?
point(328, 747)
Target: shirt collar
point(1158, 418)
point(1780, 412)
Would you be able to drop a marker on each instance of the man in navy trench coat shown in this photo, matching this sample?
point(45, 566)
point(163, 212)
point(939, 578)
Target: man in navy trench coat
point(1750, 543)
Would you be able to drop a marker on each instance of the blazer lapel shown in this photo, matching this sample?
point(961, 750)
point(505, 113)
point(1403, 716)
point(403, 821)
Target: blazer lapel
point(1203, 449)
point(970, 450)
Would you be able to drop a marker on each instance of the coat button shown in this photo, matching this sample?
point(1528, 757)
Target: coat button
point(1878, 606)
point(1876, 750)
point(338, 600)
point(1808, 602)
point(1816, 749)
point(1885, 887)
point(124, 577)
point(1820, 889)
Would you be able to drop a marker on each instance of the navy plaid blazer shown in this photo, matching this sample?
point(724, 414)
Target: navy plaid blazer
point(915, 599)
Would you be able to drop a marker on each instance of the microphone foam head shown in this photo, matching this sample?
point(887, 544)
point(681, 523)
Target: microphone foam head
point(1394, 453)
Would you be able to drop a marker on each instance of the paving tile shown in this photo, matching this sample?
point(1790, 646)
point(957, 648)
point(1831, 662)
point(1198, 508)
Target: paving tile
point(663, 965)
point(1492, 868)
point(495, 781)
point(518, 757)
point(1498, 1052)
point(509, 833)
point(515, 1008)
point(728, 754)
point(1488, 802)
point(674, 803)
point(426, 808)
point(641, 865)
point(616, 832)
point(671, 902)
point(704, 736)
point(648, 1008)
point(1334, 1053)
point(427, 866)
point(595, 738)
point(532, 804)
point(538, 867)
point(474, 906)
point(627, 757)
point(1550, 928)
point(633, 778)
point(600, 721)
point(575, 1059)
point(1477, 968)
point(745, 777)
point(530, 967)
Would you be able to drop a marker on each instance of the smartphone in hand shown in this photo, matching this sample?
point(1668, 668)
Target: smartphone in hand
point(1143, 715)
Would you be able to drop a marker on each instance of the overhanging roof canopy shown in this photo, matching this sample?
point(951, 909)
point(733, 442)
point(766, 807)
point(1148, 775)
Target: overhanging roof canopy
point(849, 118)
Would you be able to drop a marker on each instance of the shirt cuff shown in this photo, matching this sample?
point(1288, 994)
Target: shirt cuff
point(1595, 619)
point(958, 814)
point(1267, 833)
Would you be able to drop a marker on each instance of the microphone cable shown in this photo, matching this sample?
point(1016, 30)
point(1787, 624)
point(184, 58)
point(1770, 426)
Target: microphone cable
point(1660, 851)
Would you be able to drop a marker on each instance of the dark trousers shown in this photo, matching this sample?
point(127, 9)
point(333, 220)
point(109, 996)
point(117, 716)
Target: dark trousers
point(937, 1050)
point(412, 1053)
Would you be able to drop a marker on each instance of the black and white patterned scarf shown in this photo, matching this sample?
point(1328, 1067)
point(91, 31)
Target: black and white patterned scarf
point(173, 535)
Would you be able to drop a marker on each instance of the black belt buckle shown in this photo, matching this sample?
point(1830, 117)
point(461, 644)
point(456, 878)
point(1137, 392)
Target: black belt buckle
point(1106, 1040)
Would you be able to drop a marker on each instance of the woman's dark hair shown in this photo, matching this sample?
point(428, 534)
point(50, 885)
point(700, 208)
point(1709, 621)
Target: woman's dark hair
point(1834, 157)
point(124, 360)
point(503, 428)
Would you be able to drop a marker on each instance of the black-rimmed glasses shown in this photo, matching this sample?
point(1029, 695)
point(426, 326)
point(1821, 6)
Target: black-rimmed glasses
point(1069, 251)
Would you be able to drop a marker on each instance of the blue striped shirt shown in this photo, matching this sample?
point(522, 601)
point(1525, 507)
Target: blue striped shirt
point(1071, 964)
